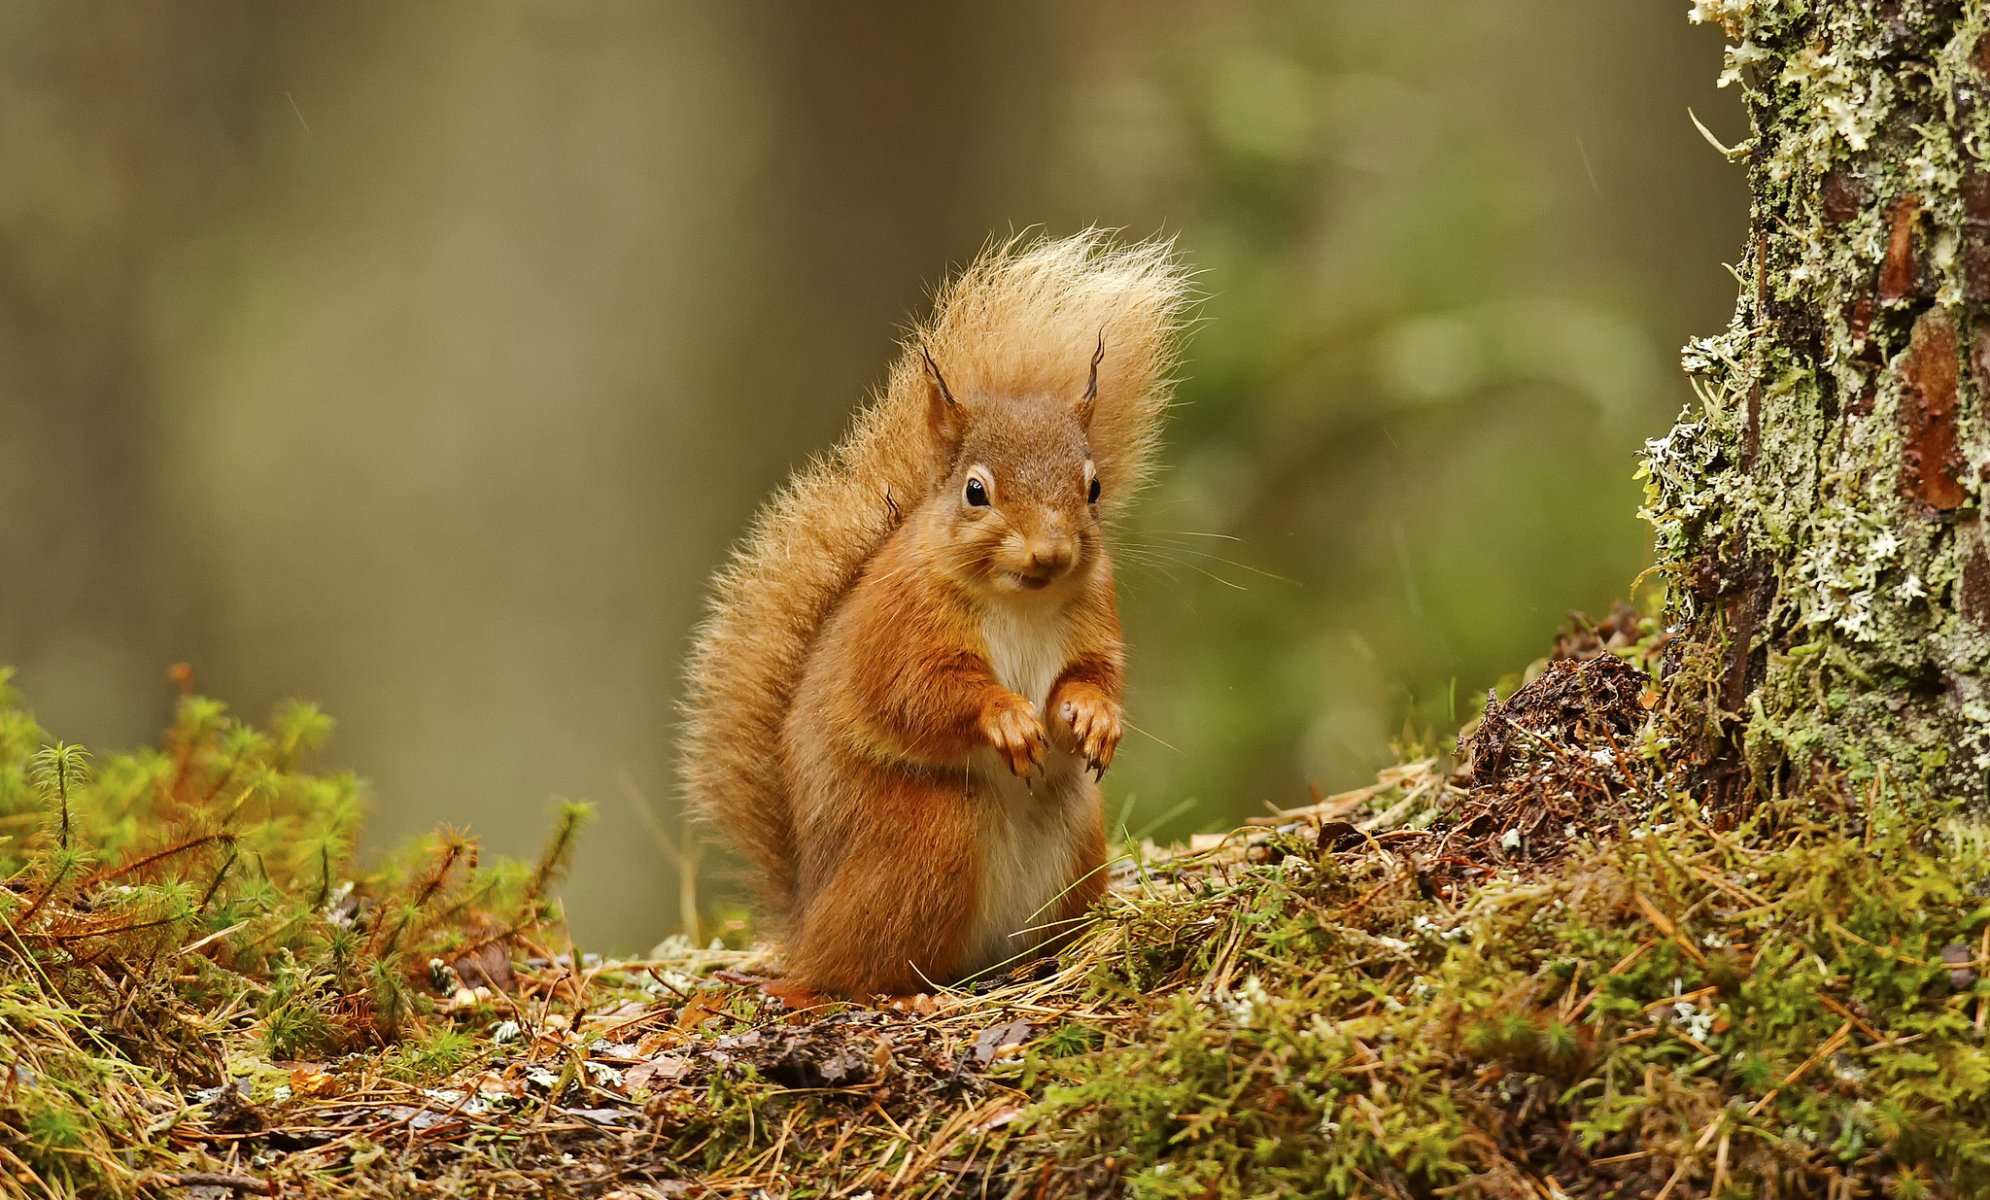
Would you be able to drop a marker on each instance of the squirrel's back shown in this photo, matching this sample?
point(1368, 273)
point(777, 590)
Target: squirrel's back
point(1023, 319)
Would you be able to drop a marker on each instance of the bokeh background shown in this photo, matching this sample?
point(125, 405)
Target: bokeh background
point(422, 360)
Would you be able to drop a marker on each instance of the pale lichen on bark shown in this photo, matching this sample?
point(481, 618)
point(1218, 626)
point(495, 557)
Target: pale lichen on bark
point(1819, 510)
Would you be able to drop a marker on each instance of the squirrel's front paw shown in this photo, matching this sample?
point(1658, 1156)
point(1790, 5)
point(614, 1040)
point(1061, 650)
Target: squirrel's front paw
point(1089, 720)
point(1011, 725)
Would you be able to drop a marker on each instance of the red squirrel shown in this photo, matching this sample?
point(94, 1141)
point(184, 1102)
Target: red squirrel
point(909, 683)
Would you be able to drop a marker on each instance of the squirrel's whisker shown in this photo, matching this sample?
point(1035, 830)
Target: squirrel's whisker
point(1218, 558)
point(1150, 737)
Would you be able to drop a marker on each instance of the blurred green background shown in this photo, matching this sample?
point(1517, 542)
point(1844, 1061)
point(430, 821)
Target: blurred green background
point(423, 359)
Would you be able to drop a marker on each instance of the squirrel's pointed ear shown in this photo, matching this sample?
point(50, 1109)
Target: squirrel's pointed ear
point(1090, 400)
point(944, 416)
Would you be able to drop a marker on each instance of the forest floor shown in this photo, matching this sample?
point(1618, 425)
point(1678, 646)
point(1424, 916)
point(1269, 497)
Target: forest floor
point(1534, 972)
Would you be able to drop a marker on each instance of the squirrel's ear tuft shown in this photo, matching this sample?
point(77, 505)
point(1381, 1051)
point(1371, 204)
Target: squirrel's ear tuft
point(1089, 402)
point(944, 415)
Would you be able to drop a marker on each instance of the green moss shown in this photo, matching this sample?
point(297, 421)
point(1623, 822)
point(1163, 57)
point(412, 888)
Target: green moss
point(436, 1054)
point(174, 918)
point(1561, 1006)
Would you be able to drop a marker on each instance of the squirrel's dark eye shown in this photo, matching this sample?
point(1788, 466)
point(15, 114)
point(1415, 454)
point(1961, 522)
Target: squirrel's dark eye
point(1092, 495)
point(977, 493)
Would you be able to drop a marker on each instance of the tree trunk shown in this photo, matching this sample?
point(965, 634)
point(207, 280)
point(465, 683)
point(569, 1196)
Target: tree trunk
point(1820, 510)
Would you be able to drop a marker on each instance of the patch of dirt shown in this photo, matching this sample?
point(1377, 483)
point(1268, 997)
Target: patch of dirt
point(1559, 761)
point(1556, 762)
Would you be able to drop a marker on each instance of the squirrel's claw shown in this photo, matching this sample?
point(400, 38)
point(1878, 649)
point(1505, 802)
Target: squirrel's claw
point(1108, 743)
point(1019, 762)
point(1089, 720)
point(1014, 730)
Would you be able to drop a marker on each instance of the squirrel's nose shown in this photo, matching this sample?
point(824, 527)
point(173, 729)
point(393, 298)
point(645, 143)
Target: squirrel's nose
point(1050, 556)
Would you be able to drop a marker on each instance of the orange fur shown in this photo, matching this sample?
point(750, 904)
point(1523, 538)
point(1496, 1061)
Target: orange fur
point(902, 697)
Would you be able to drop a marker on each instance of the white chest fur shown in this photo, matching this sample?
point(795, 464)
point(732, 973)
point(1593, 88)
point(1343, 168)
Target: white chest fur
point(1026, 648)
point(1031, 832)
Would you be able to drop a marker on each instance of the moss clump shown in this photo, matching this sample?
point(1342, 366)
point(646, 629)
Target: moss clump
point(168, 915)
point(1777, 1016)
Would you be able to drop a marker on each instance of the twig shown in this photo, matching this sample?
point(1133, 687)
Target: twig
point(1830, 1047)
point(234, 1183)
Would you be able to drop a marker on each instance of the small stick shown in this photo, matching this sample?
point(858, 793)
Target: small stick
point(234, 1183)
point(1830, 1047)
point(1670, 928)
point(1983, 1005)
point(1623, 964)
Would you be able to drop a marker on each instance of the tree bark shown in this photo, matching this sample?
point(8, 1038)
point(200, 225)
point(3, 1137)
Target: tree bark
point(1819, 511)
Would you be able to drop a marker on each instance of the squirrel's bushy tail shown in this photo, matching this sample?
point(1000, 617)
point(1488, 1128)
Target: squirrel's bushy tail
point(1023, 319)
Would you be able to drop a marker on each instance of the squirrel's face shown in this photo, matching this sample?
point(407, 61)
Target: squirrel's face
point(1019, 513)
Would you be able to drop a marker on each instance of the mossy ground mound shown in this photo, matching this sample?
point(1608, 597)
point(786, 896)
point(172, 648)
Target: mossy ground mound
point(1541, 974)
